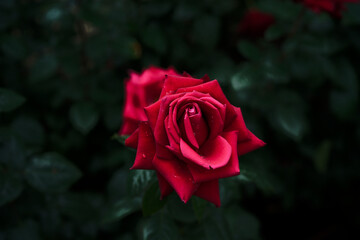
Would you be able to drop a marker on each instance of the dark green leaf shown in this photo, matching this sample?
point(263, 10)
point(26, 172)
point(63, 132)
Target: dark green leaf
point(139, 180)
point(249, 50)
point(13, 47)
point(12, 153)
point(275, 31)
point(10, 100)
point(199, 206)
point(10, 187)
point(121, 209)
point(28, 229)
point(322, 156)
point(151, 202)
point(83, 116)
point(179, 210)
point(206, 31)
point(243, 224)
point(51, 172)
point(43, 68)
point(216, 227)
point(159, 227)
point(29, 130)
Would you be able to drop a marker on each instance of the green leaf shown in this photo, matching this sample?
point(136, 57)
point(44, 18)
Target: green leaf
point(159, 227)
point(10, 100)
point(249, 50)
point(243, 224)
point(151, 202)
point(275, 31)
point(13, 47)
point(322, 156)
point(291, 121)
point(43, 68)
point(216, 227)
point(199, 206)
point(206, 31)
point(179, 210)
point(28, 230)
point(29, 130)
point(139, 180)
point(10, 187)
point(154, 37)
point(51, 173)
point(121, 209)
point(12, 153)
point(83, 116)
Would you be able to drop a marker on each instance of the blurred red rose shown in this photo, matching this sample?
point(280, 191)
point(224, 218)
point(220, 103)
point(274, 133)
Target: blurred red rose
point(141, 90)
point(192, 137)
point(334, 7)
point(255, 23)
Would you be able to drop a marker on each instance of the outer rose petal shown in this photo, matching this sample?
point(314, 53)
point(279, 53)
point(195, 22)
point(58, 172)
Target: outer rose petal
point(132, 140)
point(231, 169)
point(210, 192)
point(249, 145)
point(215, 153)
point(214, 89)
point(238, 125)
point(165, 188)
point(128, 127)
point(177, 175)
point(172, 83)
point(146, 148)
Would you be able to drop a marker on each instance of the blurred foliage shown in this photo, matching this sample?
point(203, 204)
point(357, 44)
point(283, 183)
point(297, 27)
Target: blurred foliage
point(63, 63)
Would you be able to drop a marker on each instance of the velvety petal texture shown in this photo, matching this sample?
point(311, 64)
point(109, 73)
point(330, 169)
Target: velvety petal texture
point(141, 90)
point(192, 137)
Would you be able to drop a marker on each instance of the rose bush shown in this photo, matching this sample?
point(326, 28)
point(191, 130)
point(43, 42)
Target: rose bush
point(334, 7)
point(141, 90)
point(192, 136)
point(254, 23)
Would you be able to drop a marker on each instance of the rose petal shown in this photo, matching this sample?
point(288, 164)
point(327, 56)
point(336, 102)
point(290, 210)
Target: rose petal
point(135, 101)
point(128, 127)
point(188, 130)
point(152, 112)
point(231, 169)
point(132, 140)
point(249, 145)
point(238, 125)
point(210, 192)
point(177, 175)
point(214, 89)
point(165, 188)
point(213, 154)
point(172, 83)
point(146, 148)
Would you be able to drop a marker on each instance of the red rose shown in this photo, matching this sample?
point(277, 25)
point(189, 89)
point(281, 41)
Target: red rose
point(141, 91)
point(192, 137)
point(255, 23)
point(334, 7)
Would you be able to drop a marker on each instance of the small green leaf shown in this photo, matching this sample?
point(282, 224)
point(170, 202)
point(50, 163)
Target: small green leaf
point(51, 172)
point(139, 180)
point(275, 31)
point(43, 68)
point(151, 202)
point(29, 130)
point(291, 121)
point(243, 224)
point(120, 138)
point(216, 227)
point(83, 116)
point(10, 100)
point(121, 209)
point(199, 206)
point(206, 31)
point(249, 50)
point(179, 210)
point(159, 227)
point(322, 155)
point(10, 187)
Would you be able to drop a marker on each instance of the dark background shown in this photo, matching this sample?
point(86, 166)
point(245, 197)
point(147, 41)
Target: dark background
point(63, 174)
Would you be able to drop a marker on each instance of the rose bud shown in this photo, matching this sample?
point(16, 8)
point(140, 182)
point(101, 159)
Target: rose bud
point(334, 7)
point(141, 90)
point(255, 23)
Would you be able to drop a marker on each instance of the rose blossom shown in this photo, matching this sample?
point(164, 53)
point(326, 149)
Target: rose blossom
point(334, 7)
point(255, 23)
point(192, 136)
point(141, 91)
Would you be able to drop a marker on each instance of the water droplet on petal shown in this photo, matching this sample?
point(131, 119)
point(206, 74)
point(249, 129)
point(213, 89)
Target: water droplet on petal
point(143, 155)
